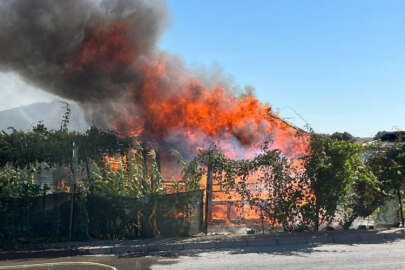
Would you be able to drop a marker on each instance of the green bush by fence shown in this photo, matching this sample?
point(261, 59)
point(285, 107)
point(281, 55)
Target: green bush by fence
point(98, 216)
point(35, 218)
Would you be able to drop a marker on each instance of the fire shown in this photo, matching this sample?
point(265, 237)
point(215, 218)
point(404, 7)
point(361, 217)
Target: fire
point(116, 163)
point(195, 115)
point(170, 107)
point(169, 104)
point(200, 114)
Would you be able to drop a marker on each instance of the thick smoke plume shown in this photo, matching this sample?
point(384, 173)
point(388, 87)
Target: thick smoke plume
point(104, 55)
point(84, 50)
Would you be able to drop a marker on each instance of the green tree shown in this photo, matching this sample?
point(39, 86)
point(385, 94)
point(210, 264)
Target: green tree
point(388, 164)
point(365, 192)
point(342, 136)
point(390, 136)
point(330, 170)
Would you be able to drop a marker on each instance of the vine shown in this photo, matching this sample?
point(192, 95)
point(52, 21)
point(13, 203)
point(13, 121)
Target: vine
point(279, 195)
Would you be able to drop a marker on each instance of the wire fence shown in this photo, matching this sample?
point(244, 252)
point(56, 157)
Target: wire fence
point(99, 216)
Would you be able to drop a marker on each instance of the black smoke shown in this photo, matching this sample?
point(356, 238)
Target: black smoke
point(40, 40)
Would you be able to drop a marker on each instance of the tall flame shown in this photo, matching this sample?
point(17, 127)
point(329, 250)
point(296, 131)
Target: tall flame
point(171, 105)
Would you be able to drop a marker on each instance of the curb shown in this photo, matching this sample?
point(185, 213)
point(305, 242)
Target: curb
point(209, 244)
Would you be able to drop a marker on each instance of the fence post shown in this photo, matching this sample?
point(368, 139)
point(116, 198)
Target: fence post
point(73, 187)
point(208, 194)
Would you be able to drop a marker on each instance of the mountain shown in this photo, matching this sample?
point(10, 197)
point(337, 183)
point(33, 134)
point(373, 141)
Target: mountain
point(24, 117)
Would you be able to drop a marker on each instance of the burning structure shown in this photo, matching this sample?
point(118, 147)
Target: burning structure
point(104, 55)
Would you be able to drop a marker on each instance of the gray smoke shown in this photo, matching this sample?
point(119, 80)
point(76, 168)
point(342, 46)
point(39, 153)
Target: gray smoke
point(41, 39)
point(103, 54)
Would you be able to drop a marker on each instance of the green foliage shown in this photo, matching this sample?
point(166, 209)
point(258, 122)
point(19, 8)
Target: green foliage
point(39, 145)
point(97, 143)
point(388, 164)
point(278, 195)
point(81, 224)
point(17, 183)
point(397, 155)
point(339, 178)
point(390, 136)
point(334, 177)
point(55, 146)
point(137, 175)
point(342, 136)
point(366, 191)
point(192, 172)
point(384, 163)
point(328, 172)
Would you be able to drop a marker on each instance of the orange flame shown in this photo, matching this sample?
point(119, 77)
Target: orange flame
point(116, 163)
point(201, 115)
point(167, 104)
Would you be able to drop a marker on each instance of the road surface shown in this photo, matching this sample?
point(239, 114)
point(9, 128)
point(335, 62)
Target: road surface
point(385, 256)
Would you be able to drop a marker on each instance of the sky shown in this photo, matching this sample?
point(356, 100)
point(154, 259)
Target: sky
point(335, 65)
point(15, 92)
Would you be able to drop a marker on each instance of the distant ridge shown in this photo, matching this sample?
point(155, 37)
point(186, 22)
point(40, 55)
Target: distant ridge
point(24, 117)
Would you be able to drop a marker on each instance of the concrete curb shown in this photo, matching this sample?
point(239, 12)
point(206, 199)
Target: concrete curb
point(207, 243)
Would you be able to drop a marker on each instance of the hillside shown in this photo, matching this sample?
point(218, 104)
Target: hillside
point(24, 117)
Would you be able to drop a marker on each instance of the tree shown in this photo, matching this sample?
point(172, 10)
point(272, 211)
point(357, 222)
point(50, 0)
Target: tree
point(365, 192)
point(342, 136)
point(388, 164)
point(64, 125)
point(390, 136)
point(330, 169)
point(397, 154)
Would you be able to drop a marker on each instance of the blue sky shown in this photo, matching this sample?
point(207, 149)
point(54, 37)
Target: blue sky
point(339, 64)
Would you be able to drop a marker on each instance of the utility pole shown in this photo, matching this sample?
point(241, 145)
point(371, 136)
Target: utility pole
point(401, 213)
point(73, 186)
point(208, 193)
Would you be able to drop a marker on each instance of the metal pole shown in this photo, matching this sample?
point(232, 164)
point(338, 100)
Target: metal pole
point(208, 195)
point(262, 218)
point(400, 207)
point(73, 187)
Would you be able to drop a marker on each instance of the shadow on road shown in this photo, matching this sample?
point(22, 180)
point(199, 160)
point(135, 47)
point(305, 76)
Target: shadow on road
point(297, 244)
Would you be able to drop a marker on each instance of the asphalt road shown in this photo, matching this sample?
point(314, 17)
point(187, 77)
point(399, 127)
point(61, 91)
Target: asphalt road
point(385, 256)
